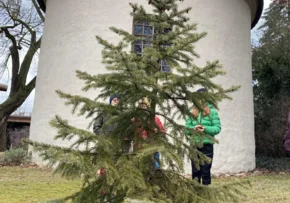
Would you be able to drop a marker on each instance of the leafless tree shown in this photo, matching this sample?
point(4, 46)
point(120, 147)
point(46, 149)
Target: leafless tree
point(21, 23)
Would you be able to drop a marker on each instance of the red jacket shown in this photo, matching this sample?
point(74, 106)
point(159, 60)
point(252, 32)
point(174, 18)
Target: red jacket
point(144, 132)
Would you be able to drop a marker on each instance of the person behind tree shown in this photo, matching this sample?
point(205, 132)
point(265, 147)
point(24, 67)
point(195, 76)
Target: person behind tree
point(145, 104)
point(208, 122)
point(101, 119)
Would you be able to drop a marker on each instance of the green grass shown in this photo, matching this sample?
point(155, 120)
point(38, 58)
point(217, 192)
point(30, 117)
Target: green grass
point(27, 185)
point(273, 188)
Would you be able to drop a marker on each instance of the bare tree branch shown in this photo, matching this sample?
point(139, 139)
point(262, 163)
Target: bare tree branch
point(26, 63)
point(9, 36)
point(30, 86)
point(8, 26)
point(25, 25)
point(15, 61)
point(38, 10)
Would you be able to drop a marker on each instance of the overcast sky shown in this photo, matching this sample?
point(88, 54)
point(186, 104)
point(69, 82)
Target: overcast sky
point(267, 3)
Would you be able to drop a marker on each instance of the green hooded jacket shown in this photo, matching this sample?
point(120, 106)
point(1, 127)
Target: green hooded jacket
point(211, 123)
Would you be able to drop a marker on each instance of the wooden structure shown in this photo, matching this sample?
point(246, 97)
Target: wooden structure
point(19, 119)
point(3, 87)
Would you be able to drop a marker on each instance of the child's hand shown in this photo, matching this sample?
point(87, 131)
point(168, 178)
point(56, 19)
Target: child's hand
point(155, 130)
point(199, 128)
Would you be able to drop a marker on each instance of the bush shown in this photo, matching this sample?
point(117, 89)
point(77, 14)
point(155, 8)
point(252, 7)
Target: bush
point(16, 135)
point(270, 128)
point(273, 164)
point(16, 156)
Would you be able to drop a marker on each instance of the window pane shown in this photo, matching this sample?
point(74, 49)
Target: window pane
point(138, 29)
point(165, 68)
point(155, 30)
point(148, 30)
point(167, 30)
point(138, 48)
point(164, 63)
point(147, 43)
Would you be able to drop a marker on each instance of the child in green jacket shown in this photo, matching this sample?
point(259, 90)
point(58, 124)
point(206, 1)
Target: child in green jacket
point(208, 122)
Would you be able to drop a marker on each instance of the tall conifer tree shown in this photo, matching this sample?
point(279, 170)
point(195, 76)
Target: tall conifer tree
point(134, 75)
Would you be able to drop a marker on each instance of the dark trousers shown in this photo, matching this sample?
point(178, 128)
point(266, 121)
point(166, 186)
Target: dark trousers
point(203, 174)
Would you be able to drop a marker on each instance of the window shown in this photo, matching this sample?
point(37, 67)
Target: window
point(164, 66)
point(144, 30)
point(147, 32)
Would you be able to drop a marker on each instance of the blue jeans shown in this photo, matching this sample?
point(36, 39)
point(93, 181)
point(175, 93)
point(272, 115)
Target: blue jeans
point(156, 160)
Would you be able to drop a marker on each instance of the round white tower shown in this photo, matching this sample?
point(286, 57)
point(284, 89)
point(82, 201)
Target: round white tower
point(69, 44)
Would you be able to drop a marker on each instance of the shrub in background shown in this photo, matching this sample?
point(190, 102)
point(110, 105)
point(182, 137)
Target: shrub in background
point(17, 156)
point(270, 128)
point(16, 135)
point(18, 152)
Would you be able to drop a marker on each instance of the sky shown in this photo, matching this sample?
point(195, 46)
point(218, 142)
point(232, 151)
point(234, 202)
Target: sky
point(28, 105)
point(256, 34)
point(266, 3)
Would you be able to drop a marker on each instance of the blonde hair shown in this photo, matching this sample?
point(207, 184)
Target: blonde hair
point(145, 101)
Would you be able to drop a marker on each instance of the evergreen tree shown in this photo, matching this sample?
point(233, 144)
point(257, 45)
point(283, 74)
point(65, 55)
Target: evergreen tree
point(131, 174)
point(271, 56)
point(271, 73)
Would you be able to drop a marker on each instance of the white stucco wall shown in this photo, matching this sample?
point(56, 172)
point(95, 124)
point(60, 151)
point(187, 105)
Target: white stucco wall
point(69, 44)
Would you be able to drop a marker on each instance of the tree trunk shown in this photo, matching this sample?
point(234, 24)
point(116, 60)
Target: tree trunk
point(6, 109)
point(9, 106)
point(3, 133)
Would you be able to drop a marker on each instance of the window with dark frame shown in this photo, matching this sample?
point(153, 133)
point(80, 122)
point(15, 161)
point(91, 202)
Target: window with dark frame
point(144, 30)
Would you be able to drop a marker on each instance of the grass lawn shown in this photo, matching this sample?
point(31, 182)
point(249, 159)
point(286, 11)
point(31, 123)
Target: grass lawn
point(26, 185)
point(272, 188)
